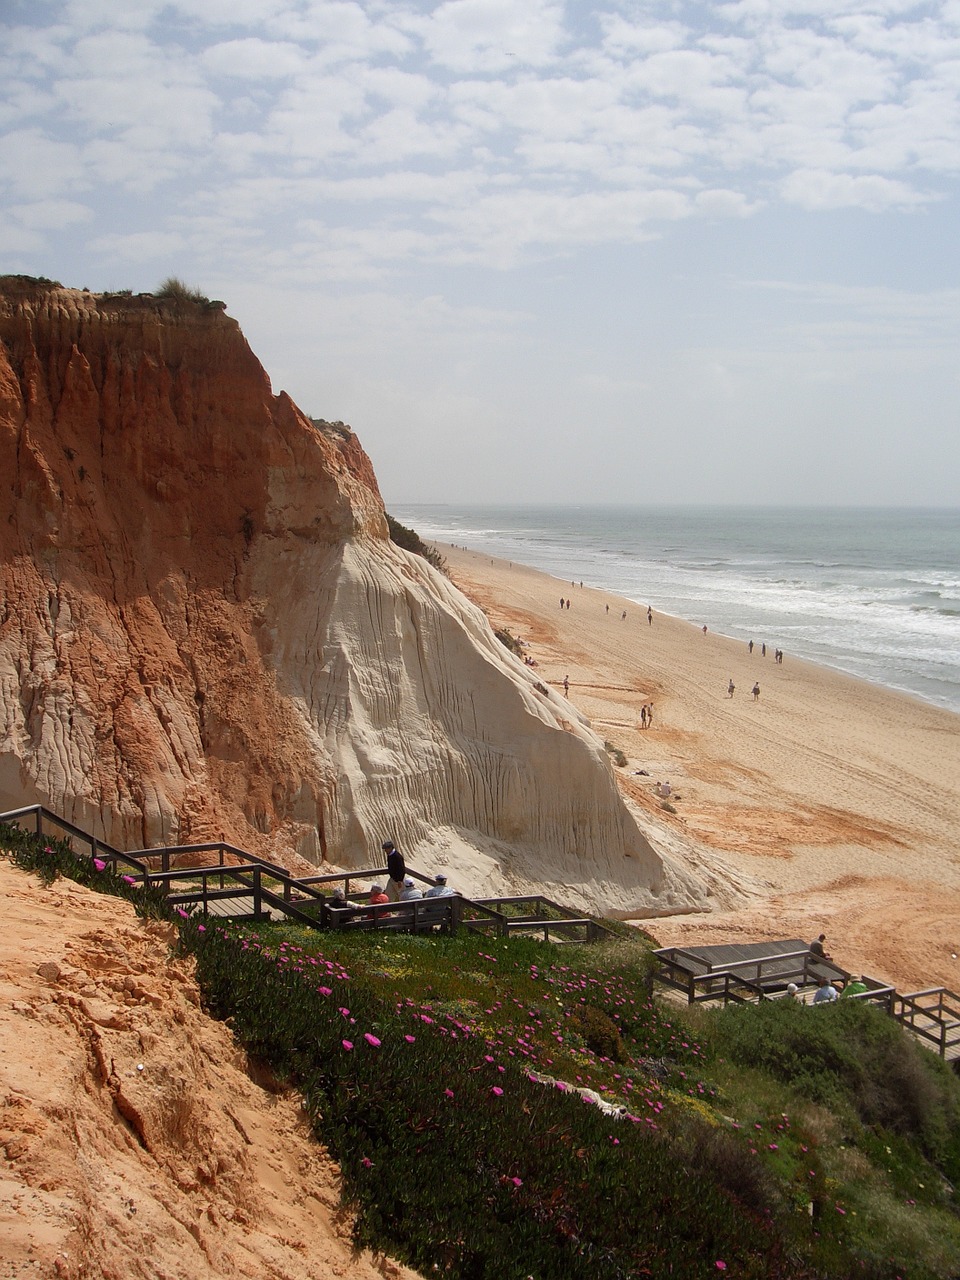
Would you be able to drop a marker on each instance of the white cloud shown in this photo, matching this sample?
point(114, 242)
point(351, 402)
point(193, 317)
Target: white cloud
point(491, 35)
point(502, 226)
point(723, 203)
point(52, 215)
point(34, 166)
point(139, 246)
point(254, 59)
point(819, 189)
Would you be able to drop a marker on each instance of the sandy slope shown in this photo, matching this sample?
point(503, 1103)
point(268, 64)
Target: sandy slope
point(829, 804)
point(133, 1141)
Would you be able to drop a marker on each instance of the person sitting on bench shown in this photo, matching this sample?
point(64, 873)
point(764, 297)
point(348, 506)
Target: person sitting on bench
point(439, 888)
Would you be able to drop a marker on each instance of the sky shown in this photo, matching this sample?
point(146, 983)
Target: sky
point(632, 251)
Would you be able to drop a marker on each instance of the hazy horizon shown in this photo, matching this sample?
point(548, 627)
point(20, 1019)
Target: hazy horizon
point(633, 251)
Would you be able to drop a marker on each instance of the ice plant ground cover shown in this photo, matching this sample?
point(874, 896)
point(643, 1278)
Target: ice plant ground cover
point(759, 1141)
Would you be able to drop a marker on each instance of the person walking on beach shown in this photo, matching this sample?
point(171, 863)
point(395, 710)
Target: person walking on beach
point(623, 615)
point(750, 647)
point(643, 716)
point(763, 649)
point(730, 688)
point(566, 685)
point(756, 691)
point(649, 616)
point(649, 715)
point(562, 602)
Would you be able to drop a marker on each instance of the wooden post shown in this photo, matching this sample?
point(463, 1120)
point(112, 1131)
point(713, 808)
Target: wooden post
point(257, 899)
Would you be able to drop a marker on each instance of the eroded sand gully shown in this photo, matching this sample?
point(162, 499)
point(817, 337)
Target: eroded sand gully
point(828, 805)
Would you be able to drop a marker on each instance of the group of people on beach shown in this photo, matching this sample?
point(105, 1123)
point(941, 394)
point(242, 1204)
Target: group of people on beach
point(777, 653)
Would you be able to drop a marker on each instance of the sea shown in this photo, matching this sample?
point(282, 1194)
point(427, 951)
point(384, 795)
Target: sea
point(874, 592)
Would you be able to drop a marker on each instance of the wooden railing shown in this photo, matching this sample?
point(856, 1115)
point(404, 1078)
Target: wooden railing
point(548, 918)
point(216, 875)
point(932, 1015)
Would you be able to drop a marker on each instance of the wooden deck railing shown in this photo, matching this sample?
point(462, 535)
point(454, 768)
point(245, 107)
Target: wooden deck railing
point(220, 879)
point(933, 1015)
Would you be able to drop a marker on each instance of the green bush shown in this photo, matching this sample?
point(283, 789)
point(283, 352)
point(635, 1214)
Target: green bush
point(410, 540)
point(509, 642)
point(854, 1058)
point(176, 291)
point(600, 1033)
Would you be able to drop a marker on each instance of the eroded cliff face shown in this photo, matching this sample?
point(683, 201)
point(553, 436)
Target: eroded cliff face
point(205, 631)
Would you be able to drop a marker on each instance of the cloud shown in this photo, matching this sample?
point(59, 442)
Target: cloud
point(491, 35)
point(139, 246)
point(35, 166)
point(254, 59)
point(820, 189)
point(52, 215)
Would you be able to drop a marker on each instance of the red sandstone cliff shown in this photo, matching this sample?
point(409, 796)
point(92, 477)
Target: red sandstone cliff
point(205, 631)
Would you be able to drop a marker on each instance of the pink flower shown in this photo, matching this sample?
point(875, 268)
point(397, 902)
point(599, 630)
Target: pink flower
point(47, 849)
point(773, 1146)
point(181, 912)
point(497, 1091)
point(366, 1162)
point(410, 1039)
point(325, 991)
point(99, 864)
point(201, 928)
point(721, 1265)
point(128, 879)
point(517, 1182)
point(347, 1044)
point(448, 1093)
point(371, 1039)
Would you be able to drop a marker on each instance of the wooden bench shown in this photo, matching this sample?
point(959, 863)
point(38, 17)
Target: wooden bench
point(419, 915)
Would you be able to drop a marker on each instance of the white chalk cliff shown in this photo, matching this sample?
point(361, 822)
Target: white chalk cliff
point(205, 630)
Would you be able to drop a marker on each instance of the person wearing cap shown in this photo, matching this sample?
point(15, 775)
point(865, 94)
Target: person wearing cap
point(793, 992)
point(439, 888)
point(855, 986)
point(409, 891)
point(396, 870)
point(825, 993)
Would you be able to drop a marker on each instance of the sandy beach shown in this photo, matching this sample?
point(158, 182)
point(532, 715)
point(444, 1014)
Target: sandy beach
point(826, 804)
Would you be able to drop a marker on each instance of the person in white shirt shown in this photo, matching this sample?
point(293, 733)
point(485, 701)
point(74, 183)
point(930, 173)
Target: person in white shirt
point(439, 888)
point(826, 993)
point(410, 891)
